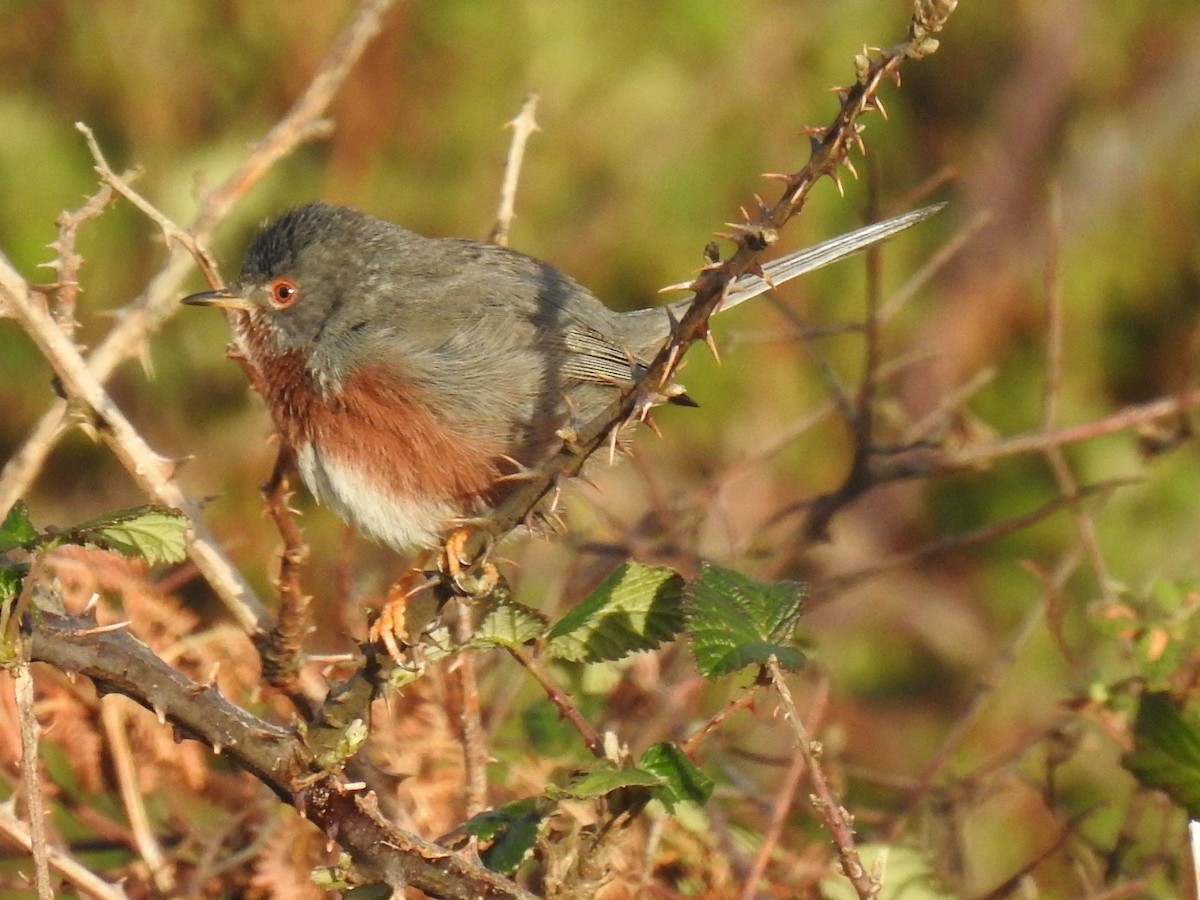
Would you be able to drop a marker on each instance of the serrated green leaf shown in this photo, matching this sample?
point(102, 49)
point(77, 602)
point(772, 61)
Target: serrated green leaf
point(508, 624)
point(682, 780)
point(735, 621)
point(156, 534)
point(1166, 752)
point(512, 829)
point(636, 608)
point(605, 777)
point(16, 529)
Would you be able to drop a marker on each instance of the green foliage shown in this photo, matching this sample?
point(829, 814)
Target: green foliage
point(636, 608)
point(735, 621)
point(663, 773)
point(680, 778)
point(1166, 752)
point(153, 533)
point(17, 530)
point(512, 830)
point(507, 624)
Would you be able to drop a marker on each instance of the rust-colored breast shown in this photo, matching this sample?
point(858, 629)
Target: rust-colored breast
point(377, 424)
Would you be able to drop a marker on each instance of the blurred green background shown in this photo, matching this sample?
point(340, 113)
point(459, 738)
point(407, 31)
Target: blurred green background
point(656, 121)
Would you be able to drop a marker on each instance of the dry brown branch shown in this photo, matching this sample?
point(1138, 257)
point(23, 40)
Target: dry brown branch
point(64, 865)
point(276, 756)
point(31, 776)
point(153, 473)
point(281, 648)
point(524, 125)
point(829, 807)
point(112, 716)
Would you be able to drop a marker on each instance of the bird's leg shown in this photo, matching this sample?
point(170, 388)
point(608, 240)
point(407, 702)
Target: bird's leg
point(390, 628)
point(472, 575)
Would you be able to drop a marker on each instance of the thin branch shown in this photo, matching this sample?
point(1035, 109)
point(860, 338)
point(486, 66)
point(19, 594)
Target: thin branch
point(282, 647)
point(112, 716)
point(153, 473)
point(566, 708)
point(474, 739)
point(278, 757)
point(523, 126)
point(785, 796)
point(64, 866)
point(826, 802)
point(31, 776)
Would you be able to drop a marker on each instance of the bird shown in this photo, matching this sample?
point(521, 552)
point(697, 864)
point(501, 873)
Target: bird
point(414, 377)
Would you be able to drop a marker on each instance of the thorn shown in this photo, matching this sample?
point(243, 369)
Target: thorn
point(93, 601)
point(778, 176)
point(651, 424)
point(849, 165)
point(211, 680)
point(837, 180)
point(712, 344)
point(681, 286)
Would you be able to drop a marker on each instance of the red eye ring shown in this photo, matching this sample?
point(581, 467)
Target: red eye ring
point(282, 292)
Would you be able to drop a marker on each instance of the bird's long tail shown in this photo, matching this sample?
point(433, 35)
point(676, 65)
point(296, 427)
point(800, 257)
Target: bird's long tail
point(777, 271)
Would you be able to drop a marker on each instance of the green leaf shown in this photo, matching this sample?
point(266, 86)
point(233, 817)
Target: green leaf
point(507, 624)
point(681, 779)
point(512, 829)
point(606, 777)
point(636, 608)
point(11, 580)
point(735, 621)
point(1166, 750)
point(16, 529)
point(156, 534)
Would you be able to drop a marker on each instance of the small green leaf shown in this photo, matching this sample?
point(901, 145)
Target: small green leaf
point(681, 779)
point(1166, 752)
point(16, 529)
point(153, 533)
point(507, 624)
point(636, 608)
point(604, 778)
point(512, 829)
point(11, 581)
point(735, 621)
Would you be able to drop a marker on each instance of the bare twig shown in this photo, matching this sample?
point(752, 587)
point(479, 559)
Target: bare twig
point(278, 757)
point(474, 738)
point(784, 798)
point(828, 806)
point(154, 473)
point(67, 261)
point(63, 865)
point(281, 648)
point(523, 126)
point(112, 715)
point(566, 708)
point(985, 535)
point(31, 777)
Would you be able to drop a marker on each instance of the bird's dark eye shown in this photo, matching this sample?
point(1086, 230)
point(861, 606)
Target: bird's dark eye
point(283, 293)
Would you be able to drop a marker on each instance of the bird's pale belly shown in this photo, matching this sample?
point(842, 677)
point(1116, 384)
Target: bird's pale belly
point(400, 522)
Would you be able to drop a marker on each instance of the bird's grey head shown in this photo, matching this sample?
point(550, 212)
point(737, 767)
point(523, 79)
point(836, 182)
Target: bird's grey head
point(306, 277)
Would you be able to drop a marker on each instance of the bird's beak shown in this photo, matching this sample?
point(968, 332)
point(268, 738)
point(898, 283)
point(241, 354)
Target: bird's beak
point(222, 299)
